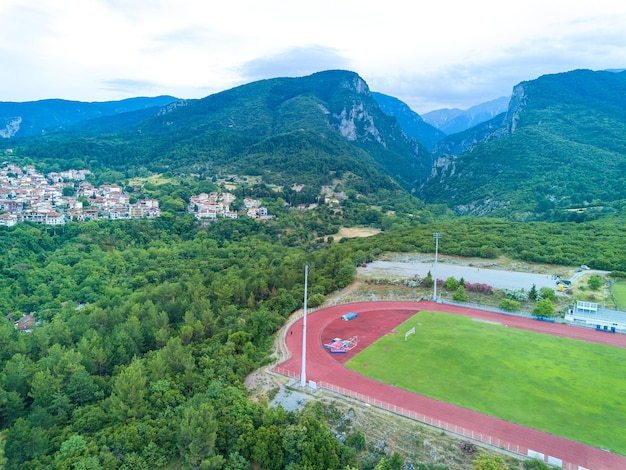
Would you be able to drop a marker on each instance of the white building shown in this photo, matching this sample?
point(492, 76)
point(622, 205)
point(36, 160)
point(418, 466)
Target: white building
point(588, 314)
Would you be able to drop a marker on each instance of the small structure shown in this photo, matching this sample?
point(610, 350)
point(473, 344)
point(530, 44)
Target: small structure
point(589, 315)
point(25, 324)
point(349, 316)
point(341, 346)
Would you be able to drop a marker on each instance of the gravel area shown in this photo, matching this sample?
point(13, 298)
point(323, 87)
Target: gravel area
point(491, 275)
point(290, 400)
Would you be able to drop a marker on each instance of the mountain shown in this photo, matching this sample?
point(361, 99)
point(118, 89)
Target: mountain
point(559, 152)
point(39, 117)
point(411, 122)
point(313, 129)
point(461, 142)
point(452, 121)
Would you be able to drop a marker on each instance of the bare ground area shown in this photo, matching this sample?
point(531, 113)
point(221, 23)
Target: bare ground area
point(353, 232)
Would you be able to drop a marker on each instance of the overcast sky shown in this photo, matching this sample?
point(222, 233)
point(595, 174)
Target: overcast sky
point(444, 53)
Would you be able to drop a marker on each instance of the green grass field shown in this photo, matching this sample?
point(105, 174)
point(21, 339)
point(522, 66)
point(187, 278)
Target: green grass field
point(619, 292)
point(561, 386)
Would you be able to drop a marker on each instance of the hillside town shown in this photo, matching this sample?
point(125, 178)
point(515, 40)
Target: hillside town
point(27, 195)
point(211, 206)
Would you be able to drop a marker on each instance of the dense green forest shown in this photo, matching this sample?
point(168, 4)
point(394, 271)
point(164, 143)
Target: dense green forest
point(146, 332)
point(147, 328)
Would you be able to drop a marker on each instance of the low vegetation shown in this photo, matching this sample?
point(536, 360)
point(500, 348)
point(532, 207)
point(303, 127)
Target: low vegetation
point(539, 381)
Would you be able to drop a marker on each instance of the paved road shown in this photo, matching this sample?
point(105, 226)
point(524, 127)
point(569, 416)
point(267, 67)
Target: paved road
point(494, 277)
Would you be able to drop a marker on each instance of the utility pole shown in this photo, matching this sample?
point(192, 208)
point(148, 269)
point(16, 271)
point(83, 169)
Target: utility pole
point(306, 282)
point(437, 236)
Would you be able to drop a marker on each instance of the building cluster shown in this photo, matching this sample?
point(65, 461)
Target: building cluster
point(26, 195)
point(211, 206)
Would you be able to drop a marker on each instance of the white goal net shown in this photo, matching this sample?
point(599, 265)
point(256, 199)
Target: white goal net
point(409, 333)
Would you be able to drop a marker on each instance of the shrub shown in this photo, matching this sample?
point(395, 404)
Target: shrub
point(356, 440)
point(467, 447)
point(516, 294)
point(460, 295)
point(451, 284)
point(594, 282)
point(535, 464)
point(532, 293)
point(544, 308)
point(546, 293)
point(428, 280)
point(478, 287)
point(316, 300)
point(509, 305)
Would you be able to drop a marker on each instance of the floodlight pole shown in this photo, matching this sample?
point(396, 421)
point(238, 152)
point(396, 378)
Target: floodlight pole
point(306, 282)
point(437, 236)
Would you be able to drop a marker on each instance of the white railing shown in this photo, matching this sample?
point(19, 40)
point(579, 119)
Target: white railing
point(438, 423)
point(521, 451)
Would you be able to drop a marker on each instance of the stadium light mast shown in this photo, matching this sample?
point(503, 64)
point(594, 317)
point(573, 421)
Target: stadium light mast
point(437, 236)
point(306, 282)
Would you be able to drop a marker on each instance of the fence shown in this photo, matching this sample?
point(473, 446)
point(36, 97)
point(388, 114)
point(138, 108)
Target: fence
point(453, 428)
point(521, 451)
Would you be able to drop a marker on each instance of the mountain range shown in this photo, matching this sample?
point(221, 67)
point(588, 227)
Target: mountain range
point(453, 121)
point(558, 151)
point(555, 151)
point(39, 117)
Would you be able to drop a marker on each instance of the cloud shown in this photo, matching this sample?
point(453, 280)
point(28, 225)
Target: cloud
point(295, 62)
point(492, 73)
point(445, 54)
point(130, 86)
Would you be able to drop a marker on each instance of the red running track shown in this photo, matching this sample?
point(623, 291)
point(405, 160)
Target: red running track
point(382, 318)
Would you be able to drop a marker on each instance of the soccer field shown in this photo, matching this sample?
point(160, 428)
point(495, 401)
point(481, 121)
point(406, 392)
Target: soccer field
point(565, 387)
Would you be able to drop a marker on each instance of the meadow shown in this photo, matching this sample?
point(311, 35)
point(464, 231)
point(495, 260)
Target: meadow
point(566, 387)
point(619, 293)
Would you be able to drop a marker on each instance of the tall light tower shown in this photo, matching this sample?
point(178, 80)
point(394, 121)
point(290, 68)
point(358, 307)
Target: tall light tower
point(306, 282)
point(437, 236)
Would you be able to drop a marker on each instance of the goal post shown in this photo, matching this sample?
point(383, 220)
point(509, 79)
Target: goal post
point(409, 333)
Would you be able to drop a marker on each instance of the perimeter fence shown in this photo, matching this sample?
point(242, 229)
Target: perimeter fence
point(460, 431)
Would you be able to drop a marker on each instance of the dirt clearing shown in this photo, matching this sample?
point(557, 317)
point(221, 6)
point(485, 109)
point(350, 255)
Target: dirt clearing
point(354, 232)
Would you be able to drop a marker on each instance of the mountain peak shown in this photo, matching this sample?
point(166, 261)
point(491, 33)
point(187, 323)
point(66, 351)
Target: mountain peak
point(452, 121)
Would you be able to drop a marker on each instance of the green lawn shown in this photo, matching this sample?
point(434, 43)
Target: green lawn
point(565, 387)
point(619, 292)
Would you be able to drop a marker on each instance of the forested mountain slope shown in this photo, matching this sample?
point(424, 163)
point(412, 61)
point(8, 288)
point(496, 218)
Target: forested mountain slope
point(560, 151)
point(411, 122)
point(288, 130)
point(38, 117)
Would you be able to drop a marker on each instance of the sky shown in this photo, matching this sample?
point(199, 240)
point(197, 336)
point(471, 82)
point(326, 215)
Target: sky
point(430, 55)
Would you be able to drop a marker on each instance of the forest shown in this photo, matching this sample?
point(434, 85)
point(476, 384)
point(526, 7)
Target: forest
point(146, 329)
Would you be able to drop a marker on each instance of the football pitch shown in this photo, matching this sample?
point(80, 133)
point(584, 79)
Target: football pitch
point(565, 387)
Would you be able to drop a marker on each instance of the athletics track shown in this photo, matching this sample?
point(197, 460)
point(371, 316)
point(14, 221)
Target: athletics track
point(381, 318)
